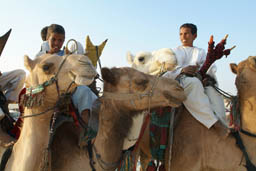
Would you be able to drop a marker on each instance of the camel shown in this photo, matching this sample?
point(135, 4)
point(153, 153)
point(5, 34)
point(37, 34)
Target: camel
point(30, 147)
point(122, 87)
point(136, 90)
point(196, 148)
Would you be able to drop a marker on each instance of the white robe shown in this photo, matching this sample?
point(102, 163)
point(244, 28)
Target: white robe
point(205, 104)
point(76, 48)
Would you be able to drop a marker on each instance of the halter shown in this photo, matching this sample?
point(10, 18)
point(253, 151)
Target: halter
point(28, 99)
point(122, 97)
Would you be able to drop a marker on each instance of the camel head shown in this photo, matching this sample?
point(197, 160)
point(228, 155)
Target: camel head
point(127, 82)
point(245, 79)
point(76, 68)
point(153, 63)
point(141, 61)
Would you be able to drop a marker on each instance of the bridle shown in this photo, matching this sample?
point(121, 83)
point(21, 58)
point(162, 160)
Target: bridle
point(41, 87)
point(131, 96)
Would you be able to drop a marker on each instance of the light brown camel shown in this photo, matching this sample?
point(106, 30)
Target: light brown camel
point(29, 149)
point(114, 119)
point(196, 148)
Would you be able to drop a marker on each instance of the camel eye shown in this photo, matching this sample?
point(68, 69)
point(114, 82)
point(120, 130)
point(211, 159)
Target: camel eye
point(141, 59)
point(141, 84)
point(48, 67)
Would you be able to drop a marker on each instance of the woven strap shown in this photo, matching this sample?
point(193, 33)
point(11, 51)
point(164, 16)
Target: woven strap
point(124, 96)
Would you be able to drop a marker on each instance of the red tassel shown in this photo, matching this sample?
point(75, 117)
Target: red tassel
point(15, 131)
point(73, 114)
point(151, 168)
point(162, 168)
point(163, 140)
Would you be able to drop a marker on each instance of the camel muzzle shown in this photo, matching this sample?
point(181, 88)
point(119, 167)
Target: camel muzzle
point(176, 101)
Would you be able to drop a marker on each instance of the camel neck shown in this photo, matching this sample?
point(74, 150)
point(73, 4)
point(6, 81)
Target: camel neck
point(248, 117)
point(29, 149)
point(109, 140)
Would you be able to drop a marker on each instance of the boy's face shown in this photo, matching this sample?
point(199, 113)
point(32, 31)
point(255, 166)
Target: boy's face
point(186, 37)
point(56, 41)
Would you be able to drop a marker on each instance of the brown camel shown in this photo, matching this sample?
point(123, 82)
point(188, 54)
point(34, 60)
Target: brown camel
point(196, 148)
point(122, 88)
point(135, 89)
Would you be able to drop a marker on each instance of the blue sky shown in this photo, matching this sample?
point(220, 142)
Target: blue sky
point(142, 25)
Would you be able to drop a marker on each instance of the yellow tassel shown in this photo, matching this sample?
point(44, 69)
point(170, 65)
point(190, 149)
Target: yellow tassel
point(92, 51)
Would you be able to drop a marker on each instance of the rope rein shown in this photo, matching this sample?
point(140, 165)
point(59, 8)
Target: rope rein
point(38, 114)
point(222, 92)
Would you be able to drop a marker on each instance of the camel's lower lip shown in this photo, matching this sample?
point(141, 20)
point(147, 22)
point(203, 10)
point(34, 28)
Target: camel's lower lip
point(171, 99)
point(175, 104)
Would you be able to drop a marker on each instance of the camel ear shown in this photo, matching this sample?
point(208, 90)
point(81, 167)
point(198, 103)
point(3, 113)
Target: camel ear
point(233, 67)
point(109, 76)
point(29, 63)
point(129, 57)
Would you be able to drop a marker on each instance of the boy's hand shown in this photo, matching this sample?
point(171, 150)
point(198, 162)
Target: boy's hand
point(208, 81)
point(51, 51)
point(190, 70)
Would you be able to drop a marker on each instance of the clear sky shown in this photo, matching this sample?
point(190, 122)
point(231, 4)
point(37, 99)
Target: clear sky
point(132, 25)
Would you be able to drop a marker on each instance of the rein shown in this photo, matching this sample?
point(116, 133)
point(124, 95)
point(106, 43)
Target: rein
point(125, 96)
point(105, 165)
point(247, 133)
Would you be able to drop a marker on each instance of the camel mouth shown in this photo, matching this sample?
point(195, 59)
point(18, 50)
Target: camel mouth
point(82, 79)
point(173, 101)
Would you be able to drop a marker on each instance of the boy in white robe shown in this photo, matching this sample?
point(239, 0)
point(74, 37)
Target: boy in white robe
point(205, 104)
